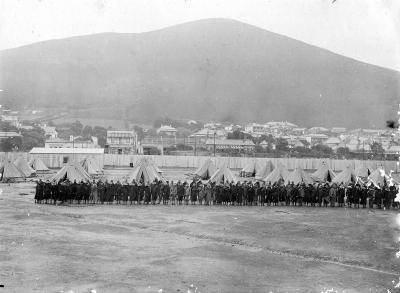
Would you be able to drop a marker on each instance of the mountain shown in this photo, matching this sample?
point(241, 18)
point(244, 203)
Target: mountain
point(209, 69)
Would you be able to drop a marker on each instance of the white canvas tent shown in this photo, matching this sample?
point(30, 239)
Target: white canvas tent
point(323, 174)
point(362, 171)
point(144, 172)
point(278, 174)
point(223, 175)
point(91, 167)
point(10, 172)
point(38, 165)
point(24, 167)
point(265, 170)
point(206, 170)
point(71, 171)
point(250, 170)
point(377, 177)
point(298, 175)
point(346, 177)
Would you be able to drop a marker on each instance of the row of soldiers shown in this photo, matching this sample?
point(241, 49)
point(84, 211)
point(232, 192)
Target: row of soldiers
point(230, 193)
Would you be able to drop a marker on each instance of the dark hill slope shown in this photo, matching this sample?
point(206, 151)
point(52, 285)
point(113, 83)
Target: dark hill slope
point(209, 69)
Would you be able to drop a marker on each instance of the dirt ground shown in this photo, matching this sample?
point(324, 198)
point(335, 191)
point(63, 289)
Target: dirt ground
point(191, 249)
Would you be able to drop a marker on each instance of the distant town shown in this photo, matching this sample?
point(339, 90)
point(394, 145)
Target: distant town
point(35, 131)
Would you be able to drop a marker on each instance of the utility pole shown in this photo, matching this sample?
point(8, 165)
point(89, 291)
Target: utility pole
point(214, 143)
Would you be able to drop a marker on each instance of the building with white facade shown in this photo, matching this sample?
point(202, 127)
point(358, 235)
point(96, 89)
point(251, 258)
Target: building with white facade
point(121, 142)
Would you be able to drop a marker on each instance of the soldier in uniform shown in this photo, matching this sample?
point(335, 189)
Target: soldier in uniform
point(146, 194)
point(47, 191)
point(364, 196)
point(174, 192)
point(39, 191)
point(340, 195)
point(378, 196)
point(101, 191)
point(73, 192)
point(180, 192)
point(187, 192)
point(132, 192)
point(288, 194)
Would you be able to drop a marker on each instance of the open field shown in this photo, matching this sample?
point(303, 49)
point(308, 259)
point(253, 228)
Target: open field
point(45, 248)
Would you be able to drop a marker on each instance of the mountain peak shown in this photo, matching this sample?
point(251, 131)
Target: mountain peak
point(218, 69)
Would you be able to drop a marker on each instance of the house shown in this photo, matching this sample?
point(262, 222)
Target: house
point(203, 134)
point(166, 130)
point(296, 143)
point(353, 144)
point(230, 144)
point(212, 125)
point(76, 142)
point(280, 125)
point(317, 138)
point(338, 130)
point(333, 142)
point(26, 127)
point(121, 142)
point(393, 150)
point(57, 157)
point(298, 130)
point(254, 128)
point(11, 119)
point(50, 132)
point(264, 144)
point(317, 129)
point(9, 134)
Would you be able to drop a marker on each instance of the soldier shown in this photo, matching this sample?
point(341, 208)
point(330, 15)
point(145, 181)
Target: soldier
point(239, 193)
point(73, 192)
point(357, 196)
point(340, 195)
point(174, 192)
point(393, 193)
point(187, 192)
point(153, 191)
point(288, 194)
point(193, 192)
point(39, 191)
point(132, 192)
point(301, 193)
point(63, 190)
point(180, 192)
point(333, 195)
point(363, 196)
point(208, 194)
point(101, 191)
point(127, 190)
point(245, 189)
point(47, 191)
point(268, 194)
point(166, 193)
point(371, 196)
point(202, 193)
point(386, 196)
point(378, 196)
point(146, 194)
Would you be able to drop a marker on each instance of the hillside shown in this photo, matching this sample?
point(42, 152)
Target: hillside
point(208, 69)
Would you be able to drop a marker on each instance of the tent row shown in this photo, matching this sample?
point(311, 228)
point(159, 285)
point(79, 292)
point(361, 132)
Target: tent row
point(20, 169)
point(269, 174)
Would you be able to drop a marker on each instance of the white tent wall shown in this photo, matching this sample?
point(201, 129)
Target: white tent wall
point(56, 161)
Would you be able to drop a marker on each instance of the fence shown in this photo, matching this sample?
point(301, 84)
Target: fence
point(115, 160)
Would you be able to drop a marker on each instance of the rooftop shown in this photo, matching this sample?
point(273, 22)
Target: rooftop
point(67, 151)
point(246, 142)
point(9, 134)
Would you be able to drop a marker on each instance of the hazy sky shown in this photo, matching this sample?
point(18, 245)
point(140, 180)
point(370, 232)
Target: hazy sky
point(367, 30)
